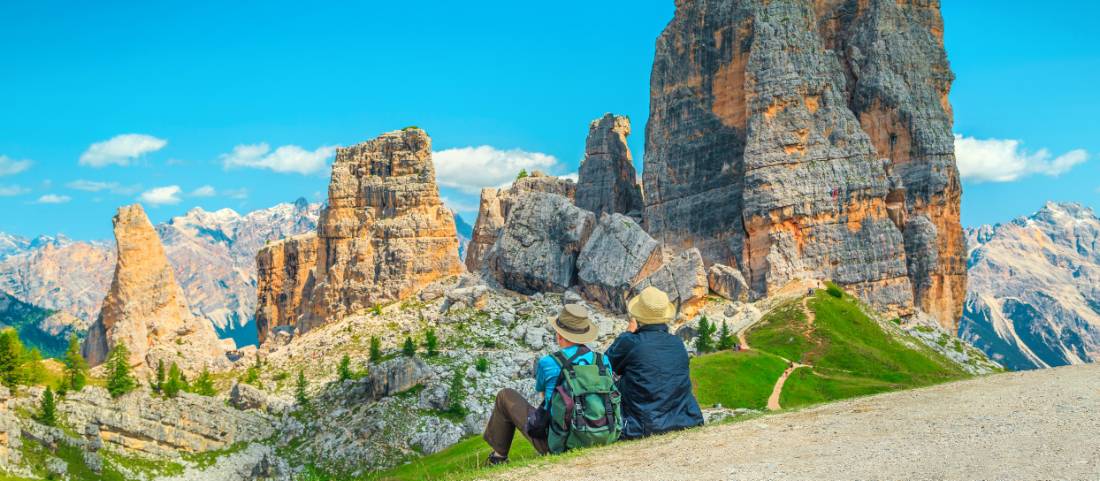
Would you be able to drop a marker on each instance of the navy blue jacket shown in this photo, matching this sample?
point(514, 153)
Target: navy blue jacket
point(655, 384)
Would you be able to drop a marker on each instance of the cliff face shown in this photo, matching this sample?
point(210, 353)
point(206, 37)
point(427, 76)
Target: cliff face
point(385, 232)
point(64, 276)
point(283, 269)
point(145, 307)
point(495, 206)
point(810, 139)
point(606, 180)
point(1034, 297)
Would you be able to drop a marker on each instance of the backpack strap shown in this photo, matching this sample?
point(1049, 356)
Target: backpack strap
point(598, 359)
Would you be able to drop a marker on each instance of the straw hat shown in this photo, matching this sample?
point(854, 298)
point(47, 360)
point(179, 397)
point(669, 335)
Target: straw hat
point(651, 306)
point(573, 324)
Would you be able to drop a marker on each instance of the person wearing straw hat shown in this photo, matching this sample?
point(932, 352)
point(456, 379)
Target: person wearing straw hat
point(655, 382)
point(512, 412)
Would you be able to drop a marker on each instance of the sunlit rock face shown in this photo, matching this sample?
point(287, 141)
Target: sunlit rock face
point(384, 233)
point(810, 139)
point(1034, 297)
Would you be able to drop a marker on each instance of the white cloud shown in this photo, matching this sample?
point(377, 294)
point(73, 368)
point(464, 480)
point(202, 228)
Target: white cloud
point(470, 169)
point(460, 205)
point(10, 166)
point(120, 150)
point(169, 194)
point(285, 159)
point(1003, 160)
point(97, 186)
point(204, 191)
point(12, 190)
point(53, 199)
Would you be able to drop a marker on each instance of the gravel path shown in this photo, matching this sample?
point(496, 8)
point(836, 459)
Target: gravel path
point(777, 391)
point(1031, 425)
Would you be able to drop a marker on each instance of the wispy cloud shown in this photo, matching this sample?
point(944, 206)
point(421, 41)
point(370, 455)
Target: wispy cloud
point(285, 159)
point(53, 199)
point(97, 186)
point(204, 191)
point(12, 190)
point(1005, 160)
point(470, 169)
point(120, 150)
point(167, 195)
point(10, 166)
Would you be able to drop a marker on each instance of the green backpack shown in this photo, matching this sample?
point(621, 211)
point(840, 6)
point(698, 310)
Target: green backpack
point(585, 407)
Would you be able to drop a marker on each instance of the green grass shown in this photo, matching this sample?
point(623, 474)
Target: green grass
point(782, 331)
point(466, 456)
point(741, 379)
point(206, 459)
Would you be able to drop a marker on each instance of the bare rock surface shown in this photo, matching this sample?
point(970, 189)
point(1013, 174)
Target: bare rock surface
point(616, 257)
point(727, 282)
point(1030, 425)
point(684, 278)
point(145, 307)
point(538, 247)
point(606, 180)
point(495, 206)
point(810, 140)
point(385, 233)
point(283, 275)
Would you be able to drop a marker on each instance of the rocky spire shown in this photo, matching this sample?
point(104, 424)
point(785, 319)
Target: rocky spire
point(607, 182)
point(810, 139)
point(283, 271)
point(145, 307)
point(385, 233)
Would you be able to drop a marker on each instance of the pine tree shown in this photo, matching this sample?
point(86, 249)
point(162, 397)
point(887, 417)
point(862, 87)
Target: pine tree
point(409, 349)
point(204, 384)
point(300, 390)
point(185, 386)
point(173, 385)
point(120, 380)
point(344, 368)
point(431, 343)
point(456, 392)
point(375, 349)
point(76, 368)
point(725, 339)
point(11, 358)
point(522, 174)
point(47, 413)
point(703, 341)
point(158, 381)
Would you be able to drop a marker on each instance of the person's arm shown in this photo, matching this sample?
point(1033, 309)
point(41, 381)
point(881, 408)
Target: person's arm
point(619, 351)
point(544, 375)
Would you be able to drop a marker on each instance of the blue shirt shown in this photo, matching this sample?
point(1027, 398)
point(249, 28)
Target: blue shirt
point(546, 379)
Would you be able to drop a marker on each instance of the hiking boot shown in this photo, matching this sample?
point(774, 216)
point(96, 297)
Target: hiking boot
point(494, 459)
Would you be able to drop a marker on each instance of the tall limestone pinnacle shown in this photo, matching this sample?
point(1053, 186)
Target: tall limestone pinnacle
point(145, 307)
point(384, 234)
point(607, 182)
point(810, 139)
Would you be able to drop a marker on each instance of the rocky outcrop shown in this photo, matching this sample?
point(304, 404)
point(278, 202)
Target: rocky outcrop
point(616, 257)
point(1034, 297)
point(537, 248)
point(283, 273)
point(145, 307)
point(389, 378)
point(61, 275)
point(810, 139)
point(606, 181)
point(727, 282)
point(684, 278)
point(495, 206)
point(385, 233)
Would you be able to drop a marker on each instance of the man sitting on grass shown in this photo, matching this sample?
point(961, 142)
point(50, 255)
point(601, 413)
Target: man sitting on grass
point(512, 411)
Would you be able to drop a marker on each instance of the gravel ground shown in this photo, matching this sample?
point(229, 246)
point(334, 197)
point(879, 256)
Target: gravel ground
point(1030, 425)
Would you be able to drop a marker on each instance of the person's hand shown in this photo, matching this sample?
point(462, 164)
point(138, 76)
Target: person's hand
point(633, 326)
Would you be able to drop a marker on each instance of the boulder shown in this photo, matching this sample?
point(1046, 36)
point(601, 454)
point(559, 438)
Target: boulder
point(389, 378)
point(245, 396)
point(495, 206)
point(684, 278)
point(616, 257)
point(538, 247)
point(727, 282)
point(606, 180)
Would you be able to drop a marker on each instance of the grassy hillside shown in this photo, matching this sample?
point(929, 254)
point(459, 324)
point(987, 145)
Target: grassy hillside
point(25, 319)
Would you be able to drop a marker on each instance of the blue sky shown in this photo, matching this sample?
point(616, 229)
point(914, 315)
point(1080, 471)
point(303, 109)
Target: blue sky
point(203, 87)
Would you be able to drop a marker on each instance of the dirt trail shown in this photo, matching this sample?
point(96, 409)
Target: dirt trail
point(1028, 425)
point(777, 391)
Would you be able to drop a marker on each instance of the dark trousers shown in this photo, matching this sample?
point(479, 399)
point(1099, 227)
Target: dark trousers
point(509, 414)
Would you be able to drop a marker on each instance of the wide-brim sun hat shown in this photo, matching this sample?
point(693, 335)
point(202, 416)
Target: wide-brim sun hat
point(651, 306)
point(573, 324)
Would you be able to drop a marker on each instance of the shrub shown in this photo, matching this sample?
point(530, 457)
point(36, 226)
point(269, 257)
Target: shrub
point(300, 390)
point(120, 380)
point(204, 384)
point(431, 343)
point(834, 291)
point(409, 349)
point(455, 394)
point(343, 370)
point(375, 349)
point(11, 358)
point(482, 364)
point(725, 339)
point(522, 174)
point(158, 382)
point(174, 384)
point(376, 310)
